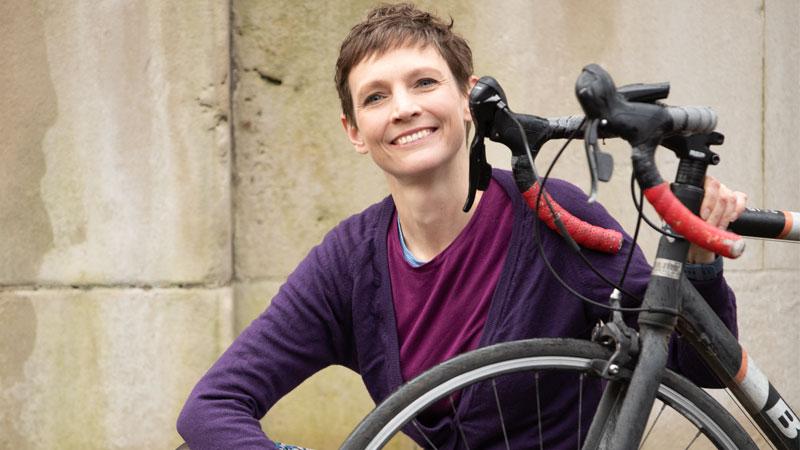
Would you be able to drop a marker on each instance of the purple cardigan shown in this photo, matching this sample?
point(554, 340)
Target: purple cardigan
point(336, 308)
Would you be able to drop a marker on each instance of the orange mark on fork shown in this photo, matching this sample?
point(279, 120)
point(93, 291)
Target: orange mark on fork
point(742, 368)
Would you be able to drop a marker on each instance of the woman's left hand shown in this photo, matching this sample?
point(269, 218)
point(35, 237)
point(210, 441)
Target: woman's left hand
point(720, 206)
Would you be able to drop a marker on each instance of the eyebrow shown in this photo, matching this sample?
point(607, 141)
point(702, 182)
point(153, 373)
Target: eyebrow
point(372, 84)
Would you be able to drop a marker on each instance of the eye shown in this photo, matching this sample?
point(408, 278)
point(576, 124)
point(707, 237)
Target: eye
point(426, 82)
point(372, 98)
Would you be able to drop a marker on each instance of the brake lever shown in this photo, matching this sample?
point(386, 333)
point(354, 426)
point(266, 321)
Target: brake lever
point(480, 172)
point(601, 164)
point(485, 98)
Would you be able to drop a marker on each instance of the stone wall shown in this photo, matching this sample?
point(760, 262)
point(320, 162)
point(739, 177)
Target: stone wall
point(115, 217)
point(165, 165)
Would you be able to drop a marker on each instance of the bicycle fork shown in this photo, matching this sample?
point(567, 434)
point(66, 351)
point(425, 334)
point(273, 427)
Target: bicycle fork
point(622, 414)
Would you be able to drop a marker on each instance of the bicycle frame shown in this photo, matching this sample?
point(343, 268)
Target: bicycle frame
point(623, 428)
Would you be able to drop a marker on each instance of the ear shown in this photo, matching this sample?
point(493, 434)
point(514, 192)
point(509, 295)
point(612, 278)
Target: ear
point(472, 80)
point(354, 135)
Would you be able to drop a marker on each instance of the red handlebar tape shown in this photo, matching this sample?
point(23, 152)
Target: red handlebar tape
point(585, 234)
point(691, 227)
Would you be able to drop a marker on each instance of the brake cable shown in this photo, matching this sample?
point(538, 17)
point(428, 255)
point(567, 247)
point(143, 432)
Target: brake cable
point(572, 243)
point(640, 207)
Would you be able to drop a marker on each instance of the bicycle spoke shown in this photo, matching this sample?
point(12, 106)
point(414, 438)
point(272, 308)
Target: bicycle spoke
point(653, 425)
point(693, 440)
point(580, 407)
point(500, 411)
point(458, 423)
point(538, 410)
point(425, 436)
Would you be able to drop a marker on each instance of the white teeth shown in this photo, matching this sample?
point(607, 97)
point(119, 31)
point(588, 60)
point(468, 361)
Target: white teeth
point(413, 137)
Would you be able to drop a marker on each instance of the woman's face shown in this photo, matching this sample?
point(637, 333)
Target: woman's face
point(410, 114)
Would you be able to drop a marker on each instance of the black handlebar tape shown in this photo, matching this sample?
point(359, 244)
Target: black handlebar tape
point(566, 126)
point(768, 223)
point(692, 119)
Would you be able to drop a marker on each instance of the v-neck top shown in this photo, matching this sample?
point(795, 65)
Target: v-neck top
point(441, 306)
point(337, 308)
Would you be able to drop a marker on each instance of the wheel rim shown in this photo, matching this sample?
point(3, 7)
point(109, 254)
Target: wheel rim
point(704, 423)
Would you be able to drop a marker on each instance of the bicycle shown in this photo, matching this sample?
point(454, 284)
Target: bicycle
point(628, 364)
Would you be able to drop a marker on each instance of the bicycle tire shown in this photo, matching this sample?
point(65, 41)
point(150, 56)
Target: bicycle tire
point(388, 418)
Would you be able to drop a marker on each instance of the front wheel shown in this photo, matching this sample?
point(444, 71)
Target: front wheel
point(538, 393)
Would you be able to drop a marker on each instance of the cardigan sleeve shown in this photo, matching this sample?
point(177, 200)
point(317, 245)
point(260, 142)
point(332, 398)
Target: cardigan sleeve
point(305, 328)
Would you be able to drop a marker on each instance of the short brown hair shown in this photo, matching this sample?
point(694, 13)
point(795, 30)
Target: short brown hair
point(392, 26)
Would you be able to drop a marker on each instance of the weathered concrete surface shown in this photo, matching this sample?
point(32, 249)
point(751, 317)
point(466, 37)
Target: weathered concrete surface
point(104, 368)
point(252, 298)
point(297, 175)
point(781, 116)
point(29, 109)
point(339, 400)
point(116, 148)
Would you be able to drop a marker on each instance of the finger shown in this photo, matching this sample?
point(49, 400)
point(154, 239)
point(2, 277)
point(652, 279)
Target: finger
point(728, 199)
point(741, 204)
point(718, 211)
point(711, 187)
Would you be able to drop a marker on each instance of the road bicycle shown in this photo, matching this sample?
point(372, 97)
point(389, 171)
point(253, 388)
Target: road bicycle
point(627, 363)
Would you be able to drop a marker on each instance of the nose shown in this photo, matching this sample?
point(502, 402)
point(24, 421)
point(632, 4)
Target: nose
point(405, 106)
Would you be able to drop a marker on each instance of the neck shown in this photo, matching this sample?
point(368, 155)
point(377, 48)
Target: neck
point(430, 210)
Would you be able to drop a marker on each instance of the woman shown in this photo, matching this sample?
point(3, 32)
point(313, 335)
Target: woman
point(413, 280)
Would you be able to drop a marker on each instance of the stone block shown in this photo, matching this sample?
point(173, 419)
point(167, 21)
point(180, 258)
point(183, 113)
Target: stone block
point(297, 174)
point(251, 299)
point(103, 368)
point(781, 116)
point(116, 160)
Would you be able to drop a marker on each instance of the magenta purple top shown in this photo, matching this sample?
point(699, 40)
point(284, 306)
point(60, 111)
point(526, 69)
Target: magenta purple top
point(440, 308)
point(352, 302)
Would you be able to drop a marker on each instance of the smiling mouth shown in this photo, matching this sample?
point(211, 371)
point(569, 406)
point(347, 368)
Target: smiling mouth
point(413, 137)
